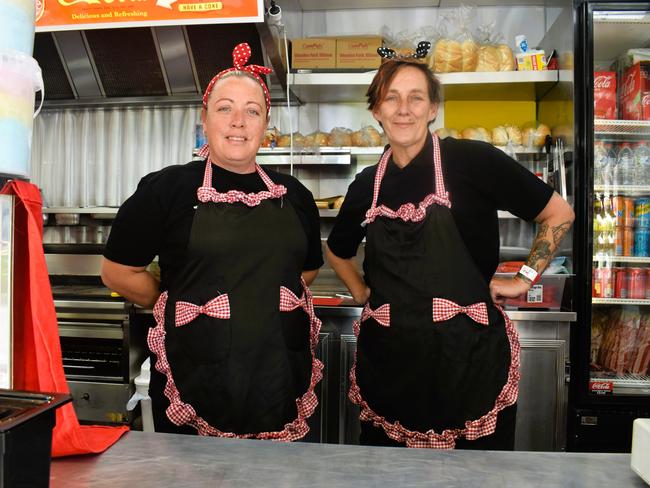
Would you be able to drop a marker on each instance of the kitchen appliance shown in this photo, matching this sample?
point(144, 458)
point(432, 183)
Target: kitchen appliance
point(102, 351)
point(610, 376)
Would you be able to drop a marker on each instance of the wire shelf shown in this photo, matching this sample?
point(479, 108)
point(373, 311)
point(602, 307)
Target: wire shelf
point(622, 127)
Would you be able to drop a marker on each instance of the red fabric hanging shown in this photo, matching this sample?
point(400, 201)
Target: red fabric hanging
point(37, 362)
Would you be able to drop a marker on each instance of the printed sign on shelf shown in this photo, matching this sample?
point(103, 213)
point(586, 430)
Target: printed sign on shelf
point(601, 387)
point(58, 15)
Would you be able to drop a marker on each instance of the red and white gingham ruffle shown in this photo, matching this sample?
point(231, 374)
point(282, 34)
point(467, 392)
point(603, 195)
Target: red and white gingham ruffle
point(447, 439)
point(207, 193)
point(181, 413)
point(409, 212)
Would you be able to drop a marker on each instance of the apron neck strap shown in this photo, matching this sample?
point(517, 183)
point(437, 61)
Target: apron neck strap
point(441, 193)
point(207, 176)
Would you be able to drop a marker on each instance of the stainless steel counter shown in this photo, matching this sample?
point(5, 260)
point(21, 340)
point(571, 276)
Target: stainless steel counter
point(165, 460)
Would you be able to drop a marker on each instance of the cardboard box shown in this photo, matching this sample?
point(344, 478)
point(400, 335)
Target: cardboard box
point(605, 95)
point(635, 82)
point(313, 52)
point(358, 52)
point(531, 61)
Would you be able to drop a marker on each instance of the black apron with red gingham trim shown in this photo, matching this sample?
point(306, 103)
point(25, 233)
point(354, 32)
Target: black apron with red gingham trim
point(241, 375)
point(424, 375)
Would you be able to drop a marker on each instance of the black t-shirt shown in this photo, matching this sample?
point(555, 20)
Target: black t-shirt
point(157, 218)
point(480, 179)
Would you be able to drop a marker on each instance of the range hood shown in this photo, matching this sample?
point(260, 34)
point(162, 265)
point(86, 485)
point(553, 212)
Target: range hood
point(162, 65)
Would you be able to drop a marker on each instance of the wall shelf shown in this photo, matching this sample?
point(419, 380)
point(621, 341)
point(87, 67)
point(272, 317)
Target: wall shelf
point(351, 87)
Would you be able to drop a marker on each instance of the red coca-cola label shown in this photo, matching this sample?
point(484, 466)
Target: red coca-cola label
point(601, 387)
point(635, 83)
point(645, 106)
point(605, 95)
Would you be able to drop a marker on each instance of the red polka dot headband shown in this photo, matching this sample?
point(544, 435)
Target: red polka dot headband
point(240, 56)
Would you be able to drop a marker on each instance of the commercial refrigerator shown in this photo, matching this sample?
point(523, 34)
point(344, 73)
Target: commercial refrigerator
point(610, 357)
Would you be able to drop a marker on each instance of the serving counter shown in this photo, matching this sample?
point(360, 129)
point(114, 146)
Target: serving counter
point(146, 460)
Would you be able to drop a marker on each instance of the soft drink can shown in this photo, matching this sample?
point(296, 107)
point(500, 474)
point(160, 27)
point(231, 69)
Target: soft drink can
point(618, 243)
point(619, 210)
point(637, 283)
point(628, 211)
point(642, 212)
point(628, 241)
point(641, 242)
point(621, 283)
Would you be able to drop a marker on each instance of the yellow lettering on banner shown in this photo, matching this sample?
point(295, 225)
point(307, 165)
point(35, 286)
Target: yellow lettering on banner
point(74, 2)
point(199, 7)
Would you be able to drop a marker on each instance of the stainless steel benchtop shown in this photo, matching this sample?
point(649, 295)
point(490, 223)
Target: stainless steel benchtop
point(168, 460)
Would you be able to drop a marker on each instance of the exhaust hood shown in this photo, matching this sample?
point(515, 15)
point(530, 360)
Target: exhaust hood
point(162, 65)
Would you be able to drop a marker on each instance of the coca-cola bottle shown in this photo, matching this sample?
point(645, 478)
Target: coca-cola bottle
point(624, 169)
point(642, 163)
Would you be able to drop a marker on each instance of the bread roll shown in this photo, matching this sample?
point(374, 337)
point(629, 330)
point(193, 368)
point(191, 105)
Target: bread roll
point(469, 50)
point(563, 132)
point(535, 135)
point(444, 132)
point(338, 202)
point(484, 134)
point(500, 136)
point(488, 58)
point(506, 59)
point(316, 139)
point(368, 136)
point(447, 56)
point(340, 137)
point(284, 140)
point(514, 134)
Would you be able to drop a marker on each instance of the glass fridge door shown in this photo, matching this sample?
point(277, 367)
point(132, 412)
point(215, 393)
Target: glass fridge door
point(620, 327)
point(6, 290)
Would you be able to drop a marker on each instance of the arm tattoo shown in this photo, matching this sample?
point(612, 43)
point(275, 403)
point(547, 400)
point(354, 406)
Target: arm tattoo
point(543, 248)
point(559, 231)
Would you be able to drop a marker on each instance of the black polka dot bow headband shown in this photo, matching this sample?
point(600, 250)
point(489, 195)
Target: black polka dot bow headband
point(420, 52)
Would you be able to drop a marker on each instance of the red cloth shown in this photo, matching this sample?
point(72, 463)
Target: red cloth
point(37, 350)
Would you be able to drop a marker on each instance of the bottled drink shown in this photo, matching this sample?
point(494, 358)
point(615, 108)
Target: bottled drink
point(624, 170)
point(612, 154)
point(609, 227)
point(599, 243)
point(642, 163)
point(601, 162)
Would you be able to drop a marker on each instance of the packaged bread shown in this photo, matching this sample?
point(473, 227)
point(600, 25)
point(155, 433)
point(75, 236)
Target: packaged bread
point(447, 56)
point(477, 134)
point(488, 58)
point(469, 49)
point(316, 139)
point(367, 136)
point(564, 133)
point(338, 202)
point(500, 136)
point(284, 140)
point(445, 132)
point(534, 135)
point(514, 134)
point(270, 137)
point(340, 137)
point(506, 58)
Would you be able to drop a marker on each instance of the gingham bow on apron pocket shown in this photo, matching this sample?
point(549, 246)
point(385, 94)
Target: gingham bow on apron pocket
point(445, 309)
point(218, 308)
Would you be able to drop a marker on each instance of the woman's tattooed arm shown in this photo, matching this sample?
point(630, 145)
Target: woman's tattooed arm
point(546, 243)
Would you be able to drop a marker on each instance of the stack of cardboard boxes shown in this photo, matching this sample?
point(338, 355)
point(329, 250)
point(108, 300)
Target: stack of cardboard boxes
point(350, 52)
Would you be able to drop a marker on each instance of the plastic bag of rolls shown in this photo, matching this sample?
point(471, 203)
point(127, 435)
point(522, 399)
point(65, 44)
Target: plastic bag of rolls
point(367, 136)
point(340, 137)
point(493, 54)
point(445, 132)
point(534, 134)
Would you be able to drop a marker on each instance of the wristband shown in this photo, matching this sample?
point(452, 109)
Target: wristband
point(528, 272)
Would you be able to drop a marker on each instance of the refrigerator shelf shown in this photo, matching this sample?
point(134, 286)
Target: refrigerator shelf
point(623, 189)
point(625, 384)
point(621, 127)
point(618, 301)
point(621, 259)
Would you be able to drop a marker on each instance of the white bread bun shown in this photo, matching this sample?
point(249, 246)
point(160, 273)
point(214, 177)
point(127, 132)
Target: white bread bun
point(445, 132)
point(447, 56)
point(534, 135)
point(476, 134)
point(500, 136)
point(506, 59)
point(514, 134)
point(488, 58)
point(340, 137)
point(469, 50)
